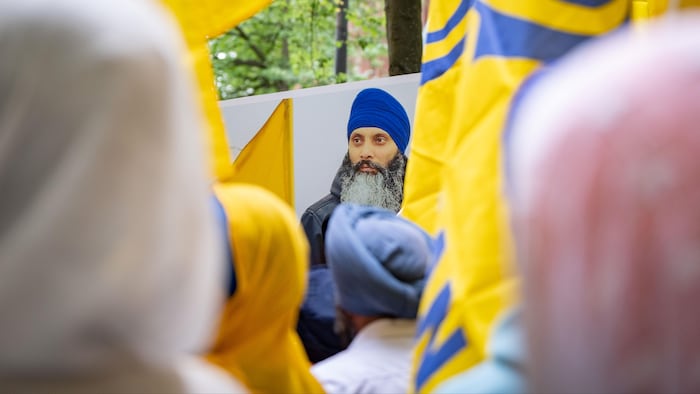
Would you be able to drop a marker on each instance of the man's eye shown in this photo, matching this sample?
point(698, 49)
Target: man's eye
point(356, 140)
point(380, 140)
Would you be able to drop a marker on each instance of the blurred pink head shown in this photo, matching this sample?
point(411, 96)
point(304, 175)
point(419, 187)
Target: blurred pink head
point(606, 162)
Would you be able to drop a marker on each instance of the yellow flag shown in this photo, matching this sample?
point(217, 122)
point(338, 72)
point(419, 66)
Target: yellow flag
point(434, 104)
point(267, 160)
point(477, 53)
point(201, 20)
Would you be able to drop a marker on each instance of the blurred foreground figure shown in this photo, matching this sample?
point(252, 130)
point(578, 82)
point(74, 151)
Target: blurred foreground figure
point(257, 341)
point(109, 257)
point(378, 261)
point(607, 178)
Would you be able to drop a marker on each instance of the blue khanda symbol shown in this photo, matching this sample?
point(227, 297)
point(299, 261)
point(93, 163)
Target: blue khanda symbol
point(434, 356)
point(509, 37)
point(503, 36)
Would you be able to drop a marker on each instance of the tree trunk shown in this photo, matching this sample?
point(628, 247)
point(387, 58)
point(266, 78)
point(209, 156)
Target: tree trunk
point(403, 31)
point(341, 38)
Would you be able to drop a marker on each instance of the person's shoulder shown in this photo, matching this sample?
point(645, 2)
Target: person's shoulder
point(362, 372)
point(200, 376)
point(343, 364)
point(322, 207)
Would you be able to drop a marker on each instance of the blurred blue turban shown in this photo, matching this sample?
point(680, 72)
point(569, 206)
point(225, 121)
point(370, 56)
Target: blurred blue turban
point(378, 261)
point(376, 108)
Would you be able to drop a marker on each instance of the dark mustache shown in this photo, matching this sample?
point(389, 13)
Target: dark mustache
point(369, 163)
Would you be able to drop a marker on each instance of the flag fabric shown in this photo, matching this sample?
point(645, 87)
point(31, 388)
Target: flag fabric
point(267, 160)
point(477, 53)
point(441, 70)
point(201, 20)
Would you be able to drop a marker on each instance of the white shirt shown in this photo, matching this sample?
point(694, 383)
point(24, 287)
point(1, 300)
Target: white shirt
point(377, 361)
point(200, 376)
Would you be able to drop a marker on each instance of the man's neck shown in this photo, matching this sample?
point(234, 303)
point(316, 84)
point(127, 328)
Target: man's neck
point(359, 322)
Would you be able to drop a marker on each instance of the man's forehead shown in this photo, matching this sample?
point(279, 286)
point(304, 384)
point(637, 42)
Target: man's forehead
point(370, 132)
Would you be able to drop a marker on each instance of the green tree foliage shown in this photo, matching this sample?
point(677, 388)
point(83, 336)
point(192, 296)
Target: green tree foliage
point(291, 44)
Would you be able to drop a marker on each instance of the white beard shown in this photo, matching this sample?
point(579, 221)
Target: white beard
point(382, 189)
point(370, 189)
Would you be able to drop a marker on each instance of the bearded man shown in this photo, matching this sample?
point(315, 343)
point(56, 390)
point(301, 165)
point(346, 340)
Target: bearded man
point(371, 174)
point(372, 171)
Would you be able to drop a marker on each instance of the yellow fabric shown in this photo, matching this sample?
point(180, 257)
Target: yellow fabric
point(645, 9)
point(201, 20)
point(434, 103)
point(454, 181)
point(640, 10)
point(267, 159)
point(257, 340)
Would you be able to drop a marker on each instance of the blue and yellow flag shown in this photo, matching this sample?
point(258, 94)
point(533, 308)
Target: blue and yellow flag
point(201, 20)
point(476, 55)
point(267, 159)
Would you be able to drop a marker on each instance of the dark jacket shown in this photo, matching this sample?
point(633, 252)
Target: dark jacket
point(315, 220)
point(317, 314)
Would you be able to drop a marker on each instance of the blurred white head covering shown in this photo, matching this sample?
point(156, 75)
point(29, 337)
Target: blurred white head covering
point(107, 243)
point(606, 165)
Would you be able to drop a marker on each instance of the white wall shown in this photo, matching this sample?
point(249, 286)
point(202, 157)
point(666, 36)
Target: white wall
point(320, 127)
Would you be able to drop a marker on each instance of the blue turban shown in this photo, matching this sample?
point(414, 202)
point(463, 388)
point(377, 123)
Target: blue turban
point(376, 108)
point(378, 261)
